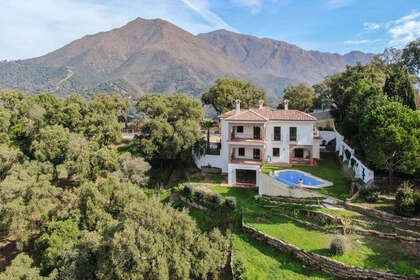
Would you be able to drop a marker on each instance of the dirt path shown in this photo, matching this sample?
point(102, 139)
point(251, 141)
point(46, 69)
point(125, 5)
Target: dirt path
point(70, 74)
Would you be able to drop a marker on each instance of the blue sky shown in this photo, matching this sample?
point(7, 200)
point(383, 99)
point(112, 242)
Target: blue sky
point(36, 27)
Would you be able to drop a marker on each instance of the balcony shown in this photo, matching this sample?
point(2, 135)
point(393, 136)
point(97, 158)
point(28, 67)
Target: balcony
point(246, 133)
point(246, 155)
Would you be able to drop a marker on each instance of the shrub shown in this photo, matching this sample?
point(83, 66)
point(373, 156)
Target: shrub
point(338, 246)
point(406, 200)
point(370, 194)
point(216, 199)
point(239, 271)
point(199, 195)
point(372, 197)
point(188, 190)
point(231, 202)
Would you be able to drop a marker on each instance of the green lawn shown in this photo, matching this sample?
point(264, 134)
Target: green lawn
point(265, 262)
point(369, 252)
point(329, 169)
point(261, 260)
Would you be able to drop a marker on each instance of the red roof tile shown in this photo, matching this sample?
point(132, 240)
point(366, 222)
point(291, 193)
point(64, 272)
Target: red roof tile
point(267, 113)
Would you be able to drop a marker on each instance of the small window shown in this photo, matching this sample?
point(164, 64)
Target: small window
point(241, 152)
point(240, 129)
point(293, 133)
point(276, 152)
point(277, 133)
point(257, 154)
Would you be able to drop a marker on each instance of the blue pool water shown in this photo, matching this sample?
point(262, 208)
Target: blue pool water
point(291, 178)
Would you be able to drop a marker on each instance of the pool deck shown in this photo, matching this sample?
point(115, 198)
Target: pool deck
point(325, 182)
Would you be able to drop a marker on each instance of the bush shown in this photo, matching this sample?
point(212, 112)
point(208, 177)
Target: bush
point(239, 271)
point(231, 202)
point(370, 194)
point(338, 246)
point(372, 197)
point(407, 200)
point(199, 195)
point(188, 190)
point(216, 199)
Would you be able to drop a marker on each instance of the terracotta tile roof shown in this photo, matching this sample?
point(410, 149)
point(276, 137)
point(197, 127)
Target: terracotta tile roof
point(247, 115)
point(267, 113)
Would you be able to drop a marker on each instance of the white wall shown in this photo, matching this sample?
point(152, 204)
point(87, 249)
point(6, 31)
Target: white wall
point(232, 172)
point(315, 149)
point(213, 160)
point(304, 137)
point(327, 135)
point(248, 132)
point(304, 131)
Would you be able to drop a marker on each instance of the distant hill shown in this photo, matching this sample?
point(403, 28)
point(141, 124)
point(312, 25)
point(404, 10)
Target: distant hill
point(156, 56)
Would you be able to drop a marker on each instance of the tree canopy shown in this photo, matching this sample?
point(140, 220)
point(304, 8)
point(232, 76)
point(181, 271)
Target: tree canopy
point(173, 128)
point(300, 97)
point(74, 205)
point(223, 94)
point(393, 138)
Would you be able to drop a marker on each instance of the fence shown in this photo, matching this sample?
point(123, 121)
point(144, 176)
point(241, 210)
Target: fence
point(345, 151)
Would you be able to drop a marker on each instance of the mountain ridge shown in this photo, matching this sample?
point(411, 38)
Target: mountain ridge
point(157, 56)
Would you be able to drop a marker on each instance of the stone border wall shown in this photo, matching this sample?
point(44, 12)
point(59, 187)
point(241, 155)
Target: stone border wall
point(382, 215)
point(321, 263)
point(291, 200)
point(319, 216)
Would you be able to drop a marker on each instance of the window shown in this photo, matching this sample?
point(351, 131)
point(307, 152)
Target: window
point(257, 132)
point(299, 153)
point(257, 154)
point(240, 129)
point(293, 133)
point(277, 133)
point(241, 152)
point(276, 152)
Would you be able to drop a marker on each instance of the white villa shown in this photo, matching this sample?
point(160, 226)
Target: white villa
point(251, 138)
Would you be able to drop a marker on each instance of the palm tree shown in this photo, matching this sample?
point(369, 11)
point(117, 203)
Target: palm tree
point(207, 124)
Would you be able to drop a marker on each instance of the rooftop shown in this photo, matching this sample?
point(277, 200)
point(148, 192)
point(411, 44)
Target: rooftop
point(266, 113)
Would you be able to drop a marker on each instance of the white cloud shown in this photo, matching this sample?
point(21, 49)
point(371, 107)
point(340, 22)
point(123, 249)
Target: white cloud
point(371, 26)
point(33, 28)
point(398, 32)
point(404, 29)
point(202, 8)
point(338, 3)
point(361, 42)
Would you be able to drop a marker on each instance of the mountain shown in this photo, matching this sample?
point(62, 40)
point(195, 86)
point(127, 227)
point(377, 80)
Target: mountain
point(156, 56)
point(280, 58)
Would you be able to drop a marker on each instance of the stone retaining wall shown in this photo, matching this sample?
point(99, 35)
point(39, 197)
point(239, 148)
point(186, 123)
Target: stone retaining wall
point(382, 215)
point(406, 240)
point(321, 263)
point(319, 216)
point(291, 200)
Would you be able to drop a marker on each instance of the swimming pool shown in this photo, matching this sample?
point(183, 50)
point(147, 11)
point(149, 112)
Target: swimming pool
point(291, 178)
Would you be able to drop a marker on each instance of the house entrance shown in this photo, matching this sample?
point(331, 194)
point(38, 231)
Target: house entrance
point(244, 176)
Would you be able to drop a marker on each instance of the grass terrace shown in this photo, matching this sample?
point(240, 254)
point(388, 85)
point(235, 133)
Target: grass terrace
point(368, 252)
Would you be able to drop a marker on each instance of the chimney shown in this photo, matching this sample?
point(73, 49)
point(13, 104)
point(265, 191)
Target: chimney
point(286, 104)
point(261, 104)
point(238, 106)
